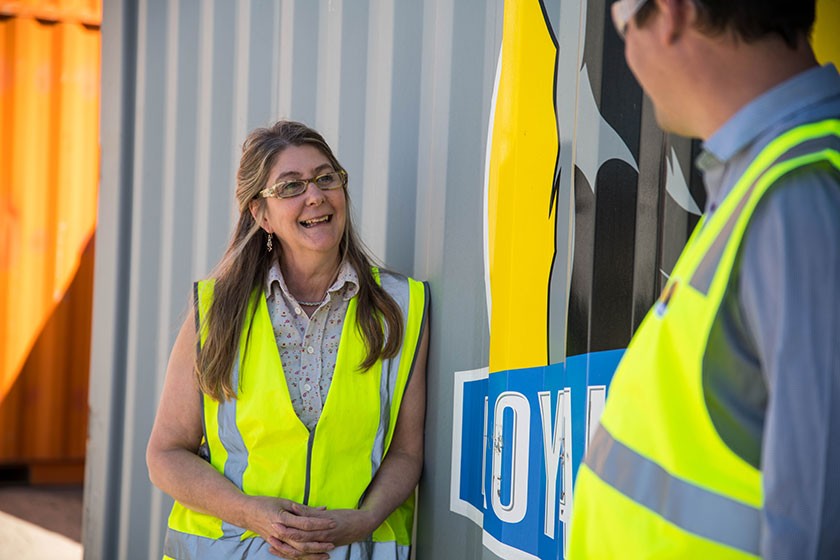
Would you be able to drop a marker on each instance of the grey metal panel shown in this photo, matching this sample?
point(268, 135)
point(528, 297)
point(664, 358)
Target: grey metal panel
point(109, 341)
point(151, 156)
point(263, 48)
point(223, 109)
point(373, 202)
point(405, 114)
point(304, 74)
point(351, 102)
point(459, 335)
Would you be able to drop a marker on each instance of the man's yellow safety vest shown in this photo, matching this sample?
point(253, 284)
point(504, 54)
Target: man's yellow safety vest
point(259, 443)
point(658, 481)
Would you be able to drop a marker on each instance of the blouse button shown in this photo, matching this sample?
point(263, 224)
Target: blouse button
point(310, 350)
point(298, 311)
point(307, 387)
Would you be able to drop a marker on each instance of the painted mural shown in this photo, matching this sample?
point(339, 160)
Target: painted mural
point(572, 261)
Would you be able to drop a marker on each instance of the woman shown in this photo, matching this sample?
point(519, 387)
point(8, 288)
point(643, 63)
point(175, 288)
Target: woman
point(259, 460)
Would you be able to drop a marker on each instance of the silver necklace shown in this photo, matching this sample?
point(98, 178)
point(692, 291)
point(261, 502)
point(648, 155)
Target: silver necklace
point(313, 303)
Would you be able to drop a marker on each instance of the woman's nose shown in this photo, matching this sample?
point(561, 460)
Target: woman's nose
point(313, 194)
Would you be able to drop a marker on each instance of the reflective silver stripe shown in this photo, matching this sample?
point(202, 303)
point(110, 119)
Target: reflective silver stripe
point(233, 442)
point(185, 546)
point(703, 513)
point(701, 279)
point(390, 551)
point(368, 550)
point(397, 288)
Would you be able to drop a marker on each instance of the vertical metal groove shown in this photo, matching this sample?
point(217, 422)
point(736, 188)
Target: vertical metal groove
point(285, 64)
point(433, 136)
point(241, 82)
point(112, 270)
point(328, 90)
point(200, 259)
point(377, 157)
point(129, 295)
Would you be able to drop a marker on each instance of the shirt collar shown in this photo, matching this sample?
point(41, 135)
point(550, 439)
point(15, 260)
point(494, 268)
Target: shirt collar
point(346, 280)
point(759, 115)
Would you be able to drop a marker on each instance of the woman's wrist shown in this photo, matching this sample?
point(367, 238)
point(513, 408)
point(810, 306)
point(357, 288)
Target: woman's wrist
point(370, 521)
point(242, 510)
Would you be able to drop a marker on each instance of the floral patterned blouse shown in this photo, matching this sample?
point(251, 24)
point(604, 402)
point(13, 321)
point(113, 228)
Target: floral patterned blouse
point(308, 346)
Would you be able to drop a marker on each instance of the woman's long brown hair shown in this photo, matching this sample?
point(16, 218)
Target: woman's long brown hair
point(246, 261)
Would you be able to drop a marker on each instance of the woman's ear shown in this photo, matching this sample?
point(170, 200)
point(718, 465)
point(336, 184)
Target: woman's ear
point(258, 213)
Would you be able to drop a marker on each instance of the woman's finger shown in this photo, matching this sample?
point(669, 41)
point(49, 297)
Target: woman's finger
point(306, 523)
point(283, 550)
point(300, 547)
point(286, 533)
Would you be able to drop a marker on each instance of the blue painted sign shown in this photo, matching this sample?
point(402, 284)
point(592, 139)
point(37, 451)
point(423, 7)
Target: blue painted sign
point(518, 439)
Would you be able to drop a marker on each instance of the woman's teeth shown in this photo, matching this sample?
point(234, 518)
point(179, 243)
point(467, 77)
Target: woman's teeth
point(315, 221)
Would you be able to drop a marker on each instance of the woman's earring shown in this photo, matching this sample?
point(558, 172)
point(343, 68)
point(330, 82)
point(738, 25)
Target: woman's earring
point(268, 244)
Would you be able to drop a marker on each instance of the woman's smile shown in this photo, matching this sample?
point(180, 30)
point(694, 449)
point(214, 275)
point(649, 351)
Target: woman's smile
point(313, 222)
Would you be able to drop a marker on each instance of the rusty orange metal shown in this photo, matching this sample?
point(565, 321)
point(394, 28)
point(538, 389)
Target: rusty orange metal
point(49, 161)
point(43, 419)
point(85, 12)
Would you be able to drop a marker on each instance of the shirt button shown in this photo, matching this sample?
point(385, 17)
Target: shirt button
point(307, 387)
point(298, 311)
point(310, 350)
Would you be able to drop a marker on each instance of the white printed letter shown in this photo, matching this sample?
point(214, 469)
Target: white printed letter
point(514, 511)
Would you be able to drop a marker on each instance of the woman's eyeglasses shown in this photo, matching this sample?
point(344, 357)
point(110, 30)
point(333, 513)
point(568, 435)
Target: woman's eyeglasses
point(295, 187)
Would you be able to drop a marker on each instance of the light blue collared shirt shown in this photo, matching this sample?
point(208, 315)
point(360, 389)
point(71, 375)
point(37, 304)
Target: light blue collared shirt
point(774, 352)
point(810, 96)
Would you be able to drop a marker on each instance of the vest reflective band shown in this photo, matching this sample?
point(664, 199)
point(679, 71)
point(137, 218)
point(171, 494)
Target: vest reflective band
point(258, 442)
point(658, 481)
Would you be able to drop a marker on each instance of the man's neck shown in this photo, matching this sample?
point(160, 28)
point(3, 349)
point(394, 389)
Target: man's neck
point(737, 72)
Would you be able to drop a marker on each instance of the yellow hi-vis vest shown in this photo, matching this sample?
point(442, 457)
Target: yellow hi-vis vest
point(658, 481)
point(259, 443)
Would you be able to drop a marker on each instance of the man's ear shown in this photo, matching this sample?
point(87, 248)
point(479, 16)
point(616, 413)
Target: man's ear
point(258, 213)
point(677, 17)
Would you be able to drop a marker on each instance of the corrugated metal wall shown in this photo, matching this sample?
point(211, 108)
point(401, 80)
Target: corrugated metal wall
point(403, 92)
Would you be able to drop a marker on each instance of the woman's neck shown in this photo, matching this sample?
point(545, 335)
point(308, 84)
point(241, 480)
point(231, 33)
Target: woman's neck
point(309, 279)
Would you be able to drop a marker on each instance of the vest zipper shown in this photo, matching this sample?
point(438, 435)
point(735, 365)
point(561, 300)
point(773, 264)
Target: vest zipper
point(308, 467)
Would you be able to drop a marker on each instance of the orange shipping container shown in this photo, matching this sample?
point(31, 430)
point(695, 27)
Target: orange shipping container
point(49, 146)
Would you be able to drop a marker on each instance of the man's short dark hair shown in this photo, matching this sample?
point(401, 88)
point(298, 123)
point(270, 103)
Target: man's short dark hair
point(750, 20)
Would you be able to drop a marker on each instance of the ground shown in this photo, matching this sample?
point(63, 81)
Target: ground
point(40, 523)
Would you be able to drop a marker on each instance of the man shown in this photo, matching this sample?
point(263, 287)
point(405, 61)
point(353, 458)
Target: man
point(721, 433)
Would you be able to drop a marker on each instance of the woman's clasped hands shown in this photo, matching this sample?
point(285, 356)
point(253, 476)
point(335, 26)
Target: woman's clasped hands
point(300, 532)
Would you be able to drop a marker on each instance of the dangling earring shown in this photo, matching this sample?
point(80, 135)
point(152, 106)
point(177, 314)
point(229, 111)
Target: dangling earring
point(268, 244)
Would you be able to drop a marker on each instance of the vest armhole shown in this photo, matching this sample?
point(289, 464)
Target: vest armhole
point(423, 325)
point(204, 446)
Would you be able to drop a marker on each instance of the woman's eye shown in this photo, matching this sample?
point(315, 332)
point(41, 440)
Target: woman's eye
point(293, 187)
